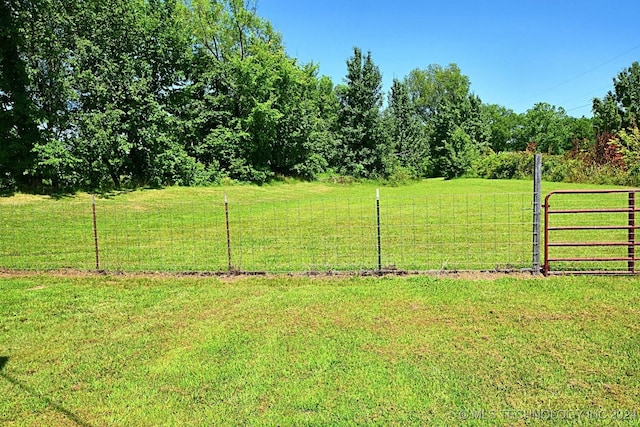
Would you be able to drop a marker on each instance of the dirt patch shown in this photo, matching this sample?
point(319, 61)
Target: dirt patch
point(5, 273)
point(235, 276)
point(489, 275)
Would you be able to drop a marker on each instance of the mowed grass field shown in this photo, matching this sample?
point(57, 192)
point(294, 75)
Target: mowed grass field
point(150, 350)
point(465, 224)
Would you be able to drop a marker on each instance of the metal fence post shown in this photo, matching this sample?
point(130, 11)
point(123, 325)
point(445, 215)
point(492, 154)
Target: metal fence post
point(631, 250)
point(226, 216)
point(95, 231)
point(378, 223)
point(537, 197)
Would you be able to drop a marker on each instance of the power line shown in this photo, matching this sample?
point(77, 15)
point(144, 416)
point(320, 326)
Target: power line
point(580, 97)
point(602, 64)
point(597, 66)
point(577, 108)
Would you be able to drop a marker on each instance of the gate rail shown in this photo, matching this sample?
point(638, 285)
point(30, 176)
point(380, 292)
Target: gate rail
point(631, 227)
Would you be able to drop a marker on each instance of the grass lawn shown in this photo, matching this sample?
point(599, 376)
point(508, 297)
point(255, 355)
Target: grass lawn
point(153, 350)
point(464, 224)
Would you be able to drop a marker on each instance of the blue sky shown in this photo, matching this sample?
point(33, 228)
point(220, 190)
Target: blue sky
point(515, 53)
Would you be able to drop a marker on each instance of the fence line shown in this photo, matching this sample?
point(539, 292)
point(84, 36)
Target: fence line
point(433, 232)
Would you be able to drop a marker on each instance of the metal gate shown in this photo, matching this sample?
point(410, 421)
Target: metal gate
point(591, 232)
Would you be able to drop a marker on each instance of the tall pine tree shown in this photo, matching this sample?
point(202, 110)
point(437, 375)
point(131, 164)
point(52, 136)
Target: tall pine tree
point(364, 150)
point(407, 133)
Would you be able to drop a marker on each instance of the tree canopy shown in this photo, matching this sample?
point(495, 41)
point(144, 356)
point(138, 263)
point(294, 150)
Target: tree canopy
point(98, 94)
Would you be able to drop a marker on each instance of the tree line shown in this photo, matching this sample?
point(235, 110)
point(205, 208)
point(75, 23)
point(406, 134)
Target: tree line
point(98, 94)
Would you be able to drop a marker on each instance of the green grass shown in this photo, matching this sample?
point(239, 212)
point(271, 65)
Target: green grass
point(430, 225)
point(152, 350)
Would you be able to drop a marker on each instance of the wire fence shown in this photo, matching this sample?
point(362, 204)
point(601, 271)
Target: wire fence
point(434, 232)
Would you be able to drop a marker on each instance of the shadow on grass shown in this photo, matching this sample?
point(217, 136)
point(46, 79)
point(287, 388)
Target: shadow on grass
point(61, 195)
point(64, 411)
point(113, 193)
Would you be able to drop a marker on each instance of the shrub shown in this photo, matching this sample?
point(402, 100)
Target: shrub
point(506, 165)
point(400, 176)
point(630, 149)
point(569, 167)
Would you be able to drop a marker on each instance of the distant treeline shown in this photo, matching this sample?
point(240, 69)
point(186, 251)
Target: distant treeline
point(99, 94)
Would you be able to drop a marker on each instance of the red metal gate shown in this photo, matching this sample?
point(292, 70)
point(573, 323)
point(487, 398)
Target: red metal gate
point(616, 222)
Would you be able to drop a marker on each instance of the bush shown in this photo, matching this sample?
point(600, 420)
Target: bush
point(562, 169)
point(557, 168)
point(401, 176)
point(506, 165)
point(629, 142)
point(578, 170)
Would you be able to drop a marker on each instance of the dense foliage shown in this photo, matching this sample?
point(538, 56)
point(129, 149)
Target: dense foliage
point(99, 94)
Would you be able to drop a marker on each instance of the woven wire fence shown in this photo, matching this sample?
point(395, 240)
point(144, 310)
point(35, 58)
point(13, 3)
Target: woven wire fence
point(430, 233)
point(46, 234)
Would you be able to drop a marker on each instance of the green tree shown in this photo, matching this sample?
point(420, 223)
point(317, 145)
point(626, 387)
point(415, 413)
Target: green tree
point(50, 32)
point(18, 115)
point(582, 133)
point(327, 131)
point(502, 124)
point(128, 58)
point(436, 86)
point(629, 141)
point(619, 109)
point(364, 150)
point(100, 75)
point(458, 154)
point(627, 90)
point(459, 138)
point(607, 115)
point(282, 113)
point(547, 127)
point(406, 131)
point(451, 115)
point(250, 110)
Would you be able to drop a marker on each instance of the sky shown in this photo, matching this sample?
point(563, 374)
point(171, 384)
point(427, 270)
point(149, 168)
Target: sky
point(516, 53)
